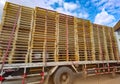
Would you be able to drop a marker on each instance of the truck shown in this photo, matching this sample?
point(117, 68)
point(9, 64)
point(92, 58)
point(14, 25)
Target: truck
point(54, 46)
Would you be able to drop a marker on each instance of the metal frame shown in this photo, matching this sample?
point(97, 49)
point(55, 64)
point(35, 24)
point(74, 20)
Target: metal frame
point(28, 65)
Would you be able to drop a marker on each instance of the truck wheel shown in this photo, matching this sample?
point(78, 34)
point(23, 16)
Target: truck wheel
point(63, 75)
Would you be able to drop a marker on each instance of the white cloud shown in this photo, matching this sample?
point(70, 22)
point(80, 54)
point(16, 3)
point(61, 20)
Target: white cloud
point(104, 18)
point(68, 9)
point(62, 10)
point(60, 2)
point(83, 15)
point(70, 6)
point(110, 5)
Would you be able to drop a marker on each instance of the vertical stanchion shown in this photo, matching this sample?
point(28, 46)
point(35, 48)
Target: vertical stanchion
point(84, 71)
point(108, 67)
point(24, 76)
point(42, 75)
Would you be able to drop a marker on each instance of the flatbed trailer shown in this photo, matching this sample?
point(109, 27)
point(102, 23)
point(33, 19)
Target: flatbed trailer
point(53, 46)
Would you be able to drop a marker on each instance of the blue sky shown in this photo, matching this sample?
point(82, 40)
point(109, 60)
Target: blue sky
point(104, 12)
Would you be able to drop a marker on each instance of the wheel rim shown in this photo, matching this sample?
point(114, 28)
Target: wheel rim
point(64, 79)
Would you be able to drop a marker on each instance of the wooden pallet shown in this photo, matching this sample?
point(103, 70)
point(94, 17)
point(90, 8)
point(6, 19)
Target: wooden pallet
point(43, 45)
point(20, 44)
point(96, 42)
point(8, 20)
point(88, 40)
point(71, 38)
point(114, 44)
point(63, 36)
point(81, 40)
point(103, 44)
point(66, 42)
point(109, 43)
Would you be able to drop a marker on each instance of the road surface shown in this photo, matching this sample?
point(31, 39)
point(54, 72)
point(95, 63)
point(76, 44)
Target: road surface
point(101, 79)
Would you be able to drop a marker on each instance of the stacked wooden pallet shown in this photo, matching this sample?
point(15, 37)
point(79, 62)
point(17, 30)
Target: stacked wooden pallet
point(71, 38)
point(114, 44)
point(103, 46)
point(44, 36)
point(19, 48)
point(96, 42)
point(8, 20)
point(23, 37)
point(104, 40)
point(109, 43)
point(51, 36)
point(62, 43)
point(81, 40)
point(88, 40)
point(47, 36)
point(38, 36)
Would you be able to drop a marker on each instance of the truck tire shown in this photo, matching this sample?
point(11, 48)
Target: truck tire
point(63, 75)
